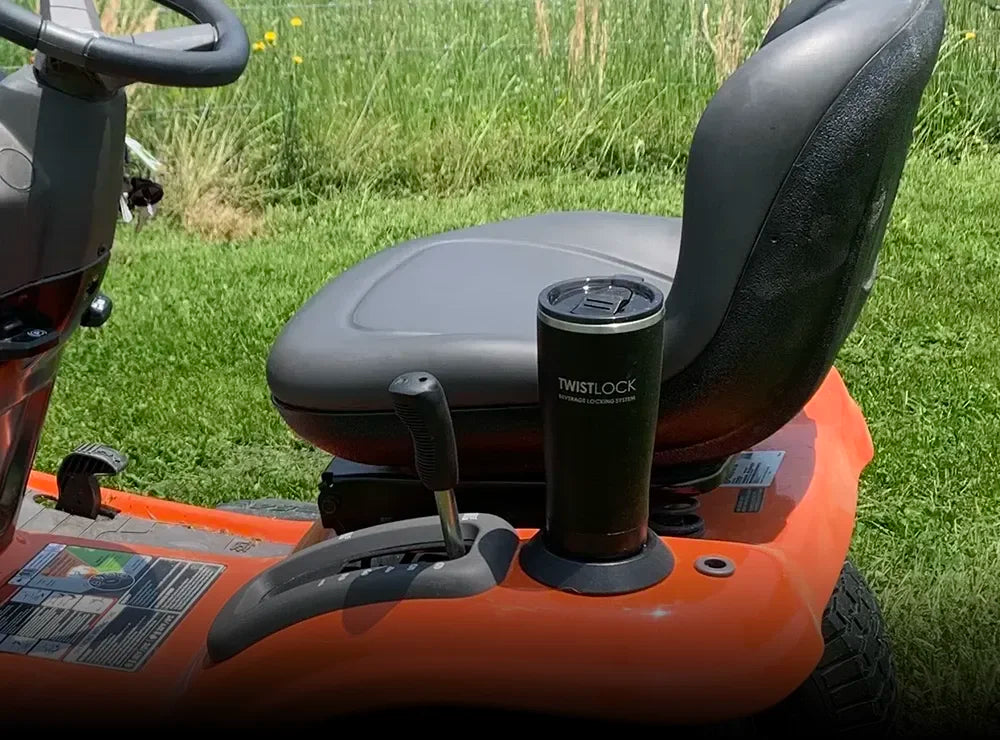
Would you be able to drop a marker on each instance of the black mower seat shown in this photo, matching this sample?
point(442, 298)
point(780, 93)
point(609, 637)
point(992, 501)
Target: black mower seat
point(462, 303)
point(791, 178)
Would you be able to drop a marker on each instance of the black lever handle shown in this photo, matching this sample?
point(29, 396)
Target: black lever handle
point(421, 405)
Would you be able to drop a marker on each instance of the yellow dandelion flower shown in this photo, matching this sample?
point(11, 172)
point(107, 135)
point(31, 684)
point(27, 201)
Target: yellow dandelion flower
point(270, 37)
point(296, 21)
point(296, 59)
point(258, 46)
point(969, 35)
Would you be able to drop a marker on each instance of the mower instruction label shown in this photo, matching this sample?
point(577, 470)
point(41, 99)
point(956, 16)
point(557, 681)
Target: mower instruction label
point(98, 607)
point(755, 469)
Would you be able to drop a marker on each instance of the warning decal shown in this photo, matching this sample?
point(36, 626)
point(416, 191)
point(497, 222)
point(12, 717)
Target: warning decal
point(749, 501)
point(98, 607)
point(755, 469)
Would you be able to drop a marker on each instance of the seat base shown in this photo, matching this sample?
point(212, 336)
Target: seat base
point(353, 495)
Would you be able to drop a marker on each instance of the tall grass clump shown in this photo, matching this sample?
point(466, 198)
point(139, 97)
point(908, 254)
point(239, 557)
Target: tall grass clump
point(441, 95)
point(436, 96)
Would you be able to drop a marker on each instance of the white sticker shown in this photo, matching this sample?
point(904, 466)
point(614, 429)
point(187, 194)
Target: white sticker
point(30, 596)
point(16, 644)
point(106, 608)
point(755, 469)
point(50, 649)
point(32, 568)
point(62, 601)
point(92, 604)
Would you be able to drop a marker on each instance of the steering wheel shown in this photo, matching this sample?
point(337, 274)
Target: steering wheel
point(213, 53)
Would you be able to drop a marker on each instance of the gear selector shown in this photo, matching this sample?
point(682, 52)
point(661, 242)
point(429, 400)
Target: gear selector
point(420, 403)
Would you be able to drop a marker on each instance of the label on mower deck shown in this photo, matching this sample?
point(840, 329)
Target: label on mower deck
point(98, 607)
point(755, 469)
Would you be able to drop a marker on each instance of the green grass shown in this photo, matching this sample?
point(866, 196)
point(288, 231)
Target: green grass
point(443, 95)
point(176, 379)
point(923, 365)
point(397, 96)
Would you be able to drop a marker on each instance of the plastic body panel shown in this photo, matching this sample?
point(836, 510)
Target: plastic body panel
point(61, 164)
point(693, 648)
point(26, 384)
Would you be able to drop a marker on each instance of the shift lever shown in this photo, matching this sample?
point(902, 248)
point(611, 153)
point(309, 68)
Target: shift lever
point(420, 403)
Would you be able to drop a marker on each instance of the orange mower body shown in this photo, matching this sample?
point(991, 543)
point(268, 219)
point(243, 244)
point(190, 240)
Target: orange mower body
point(697, 647)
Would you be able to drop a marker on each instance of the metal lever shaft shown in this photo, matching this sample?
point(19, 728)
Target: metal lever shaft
point(448, 511)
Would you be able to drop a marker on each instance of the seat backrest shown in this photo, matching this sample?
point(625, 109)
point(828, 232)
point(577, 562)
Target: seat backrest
point(792, 174)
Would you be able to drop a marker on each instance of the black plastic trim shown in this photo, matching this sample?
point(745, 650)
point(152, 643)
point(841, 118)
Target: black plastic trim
point(310, 582)
point(354, 495)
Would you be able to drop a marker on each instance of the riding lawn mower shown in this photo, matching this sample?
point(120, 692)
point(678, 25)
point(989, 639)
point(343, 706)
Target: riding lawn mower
point(585, 465)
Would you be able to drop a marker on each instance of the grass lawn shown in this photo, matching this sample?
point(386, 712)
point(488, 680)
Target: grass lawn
point(176, 380)
point(407, 96)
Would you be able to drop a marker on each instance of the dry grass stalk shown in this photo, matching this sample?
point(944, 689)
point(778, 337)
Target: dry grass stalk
point(542, 26)
point(604, 55)
point(728, 40)
point(595, 20)
point(588, 40)
point(134, 20)
point(578, 38)
point(773, 9)
point(695, 24)
point(139, 17)
point(206, 184)
point(215, 219)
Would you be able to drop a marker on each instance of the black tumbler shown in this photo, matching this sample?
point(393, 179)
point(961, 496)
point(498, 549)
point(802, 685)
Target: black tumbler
point(600, 356)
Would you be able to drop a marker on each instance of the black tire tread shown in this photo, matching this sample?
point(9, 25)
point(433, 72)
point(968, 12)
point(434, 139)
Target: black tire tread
point(853, 690)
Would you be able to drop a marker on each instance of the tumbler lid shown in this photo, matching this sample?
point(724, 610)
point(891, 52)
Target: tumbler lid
point(615, 303)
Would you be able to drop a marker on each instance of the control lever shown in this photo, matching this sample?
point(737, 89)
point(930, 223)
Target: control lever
point(421, 405)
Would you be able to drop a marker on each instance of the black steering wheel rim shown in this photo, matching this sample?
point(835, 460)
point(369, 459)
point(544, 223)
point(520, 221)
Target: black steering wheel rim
point(136, 62)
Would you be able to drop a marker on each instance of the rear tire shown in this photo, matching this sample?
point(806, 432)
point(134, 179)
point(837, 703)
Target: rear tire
point(853, 689)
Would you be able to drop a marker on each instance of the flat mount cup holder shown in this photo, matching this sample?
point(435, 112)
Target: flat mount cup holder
point(653, 563)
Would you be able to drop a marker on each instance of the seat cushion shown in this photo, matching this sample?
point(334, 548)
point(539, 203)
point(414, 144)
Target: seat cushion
point(460, 305)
